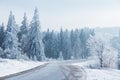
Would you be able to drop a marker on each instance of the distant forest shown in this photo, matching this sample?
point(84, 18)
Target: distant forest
point(28, 42)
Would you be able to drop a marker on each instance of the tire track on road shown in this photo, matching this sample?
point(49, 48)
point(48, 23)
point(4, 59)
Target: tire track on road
point(73, 72)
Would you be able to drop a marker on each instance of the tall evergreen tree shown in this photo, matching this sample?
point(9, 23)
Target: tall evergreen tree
point(35, 44)
point(10, 43)
point(2, 35)
point(60, 41)
point(12, 26)
point(66, 45)
point(54, 45)
point(23, 28)
point(23, 34)
point(51, 44)
point(46, 41)
point(72, 39)
point(77, 45)
point(84, 36)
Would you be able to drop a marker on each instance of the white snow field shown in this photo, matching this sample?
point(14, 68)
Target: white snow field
point(99, 74)
point(13, 66)
point(8, 66)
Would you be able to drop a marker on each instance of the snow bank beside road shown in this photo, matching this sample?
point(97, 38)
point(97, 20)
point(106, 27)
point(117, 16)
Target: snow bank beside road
point(98, 74)
point(109, 74)
point(8, 67)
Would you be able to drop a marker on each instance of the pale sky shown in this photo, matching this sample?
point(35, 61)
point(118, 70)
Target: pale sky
point(55, 14)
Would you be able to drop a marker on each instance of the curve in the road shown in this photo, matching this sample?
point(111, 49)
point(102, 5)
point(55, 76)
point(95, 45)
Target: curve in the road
point(53, 71)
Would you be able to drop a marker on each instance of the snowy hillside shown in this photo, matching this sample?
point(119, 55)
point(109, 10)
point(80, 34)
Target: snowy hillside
point(14, 66)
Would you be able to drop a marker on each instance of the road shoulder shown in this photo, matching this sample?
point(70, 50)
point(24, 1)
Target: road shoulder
point(23, 72)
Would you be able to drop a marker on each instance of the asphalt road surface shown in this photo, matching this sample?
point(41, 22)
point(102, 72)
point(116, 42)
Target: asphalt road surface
point(53, 71)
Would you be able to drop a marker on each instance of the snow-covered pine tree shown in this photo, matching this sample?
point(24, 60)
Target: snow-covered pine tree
point(61, 35)
point(77, 45)
point(1, 35)
point(12, 26)
point(10, 44)
point(84, 36)
point(23, 28)
point(72, 41)
point(51, 44)
point(47, 43)
point(66, 45)
point(35, 44)
point(23, 33)
point(54, 45)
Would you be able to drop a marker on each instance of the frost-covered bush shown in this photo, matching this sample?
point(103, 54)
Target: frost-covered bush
point(104, 54)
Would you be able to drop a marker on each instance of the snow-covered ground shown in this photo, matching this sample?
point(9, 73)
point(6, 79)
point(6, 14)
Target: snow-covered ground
point(99, 74)
point(8, 67)
point(13, 66)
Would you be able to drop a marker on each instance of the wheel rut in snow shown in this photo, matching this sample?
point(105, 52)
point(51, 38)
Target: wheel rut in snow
point(71, 72)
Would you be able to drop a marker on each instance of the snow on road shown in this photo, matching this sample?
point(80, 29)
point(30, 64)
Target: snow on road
point(8, 67)
point(53, 71)
point(73, 72)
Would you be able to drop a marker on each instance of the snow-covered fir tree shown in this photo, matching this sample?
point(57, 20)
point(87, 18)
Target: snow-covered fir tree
point(35, 44)
point(10, 44)
point(23, 34)
point(51, 44)
point(23, 28)
point(77, 45)
point(54, 45)
point(2, 35)
point(60, 40)
point(72, 41)
point(66, 45)
point(84, 36)
point(47, 44)
point(12, 26)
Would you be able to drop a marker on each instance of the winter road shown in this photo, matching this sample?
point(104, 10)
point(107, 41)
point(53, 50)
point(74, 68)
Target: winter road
point(53, 71)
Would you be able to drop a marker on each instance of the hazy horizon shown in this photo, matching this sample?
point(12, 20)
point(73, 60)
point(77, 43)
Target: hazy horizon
point(65, 13)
